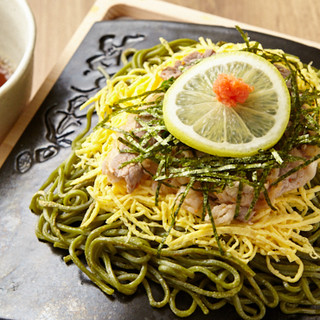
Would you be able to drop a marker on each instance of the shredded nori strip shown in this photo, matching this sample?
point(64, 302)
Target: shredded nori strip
point(212, 174)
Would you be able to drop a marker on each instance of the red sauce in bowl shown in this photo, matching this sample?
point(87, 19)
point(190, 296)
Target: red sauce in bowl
point(5, 71)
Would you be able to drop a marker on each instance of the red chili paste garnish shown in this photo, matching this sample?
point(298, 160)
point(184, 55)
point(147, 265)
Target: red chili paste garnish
point(230, 90)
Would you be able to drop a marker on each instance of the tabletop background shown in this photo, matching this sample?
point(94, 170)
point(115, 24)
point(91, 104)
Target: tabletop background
point(57, 20)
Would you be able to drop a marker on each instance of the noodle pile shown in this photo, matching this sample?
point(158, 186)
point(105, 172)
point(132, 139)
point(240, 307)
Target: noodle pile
point(132, 239)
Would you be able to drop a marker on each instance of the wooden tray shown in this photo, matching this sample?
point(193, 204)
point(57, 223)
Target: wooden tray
point(115, 9)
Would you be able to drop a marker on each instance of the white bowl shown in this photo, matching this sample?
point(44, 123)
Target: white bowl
point(17, 41)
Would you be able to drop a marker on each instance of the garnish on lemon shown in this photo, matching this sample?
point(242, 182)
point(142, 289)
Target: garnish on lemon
point(231, 104)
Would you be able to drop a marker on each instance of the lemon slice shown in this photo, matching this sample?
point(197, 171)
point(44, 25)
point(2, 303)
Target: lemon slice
point(193, 113)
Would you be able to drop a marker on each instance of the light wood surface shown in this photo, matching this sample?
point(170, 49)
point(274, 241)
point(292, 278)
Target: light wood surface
point(57, 21)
